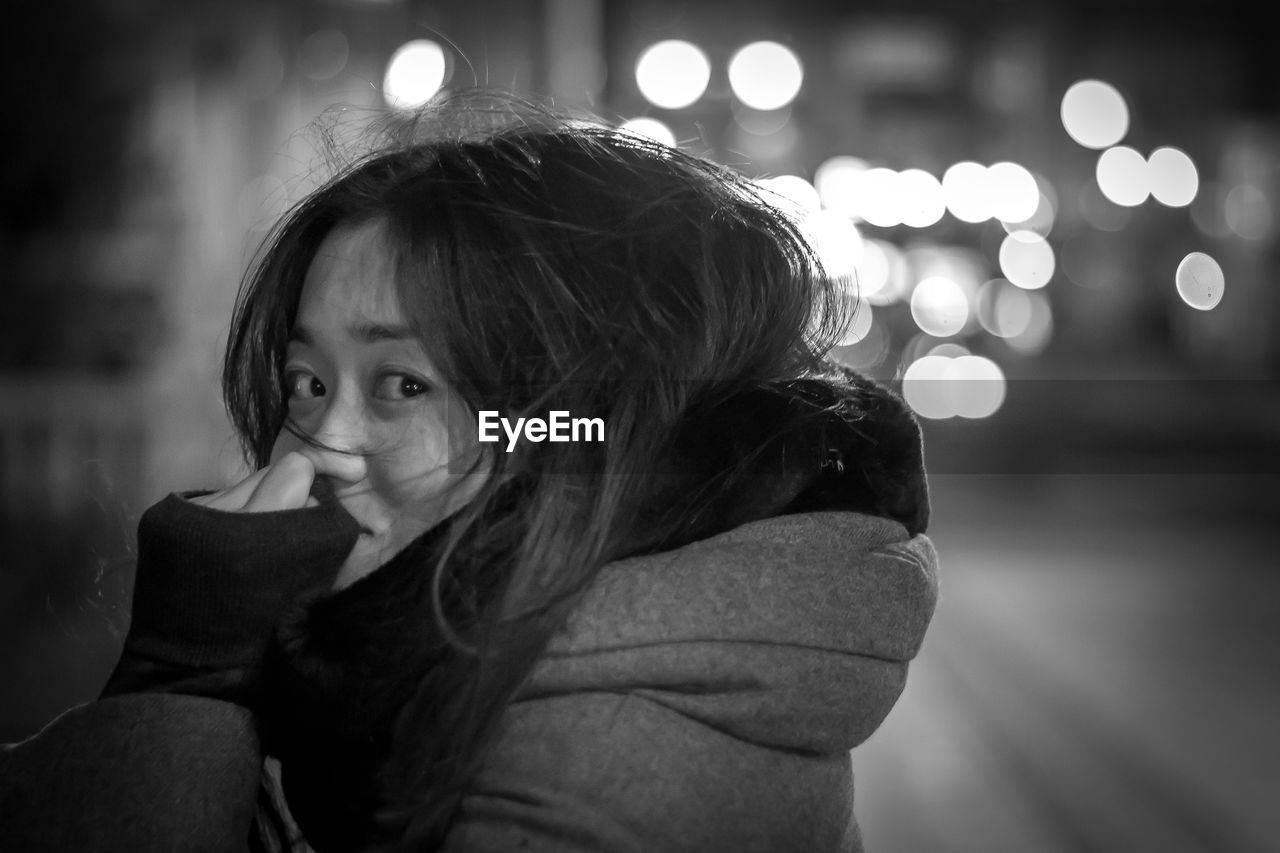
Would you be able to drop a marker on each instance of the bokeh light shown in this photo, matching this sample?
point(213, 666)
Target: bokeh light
point(672, 74)
point(1247, 212)
point(837, 180)
point(1011, 191)
point(323, 54)
point(870, 351)
point(941, 385)
point(1122, 176)
point(836, 240)
point(939, 306)
point(921, 203)
point(1208, 210)
point(1172, 177)
point(1026, 259)
point(882, 273)
point(765, 75)
point(1042, 219)
point(974, 387)
point(950, 349)
point(1094, 114)
point(651, 129)
point(964, 189)
point(917, 346)
point(1035, 337)
point(415, 73)
point(880, 203)
point(792, 193)
point(860, 324)
point(1200, 281)
point(1003, 308)
point(873, 273)
point(964, 266)
point(923, 387)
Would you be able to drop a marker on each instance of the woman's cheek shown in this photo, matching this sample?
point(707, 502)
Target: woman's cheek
point(411, 483)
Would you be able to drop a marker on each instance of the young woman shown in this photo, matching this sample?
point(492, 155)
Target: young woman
point(659, 621)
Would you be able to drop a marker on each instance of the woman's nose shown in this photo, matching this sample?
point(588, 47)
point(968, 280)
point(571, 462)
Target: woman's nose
point(344, 435)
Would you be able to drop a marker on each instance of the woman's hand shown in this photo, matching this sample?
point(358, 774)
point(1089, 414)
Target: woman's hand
point(283, 484)
point(211, 588)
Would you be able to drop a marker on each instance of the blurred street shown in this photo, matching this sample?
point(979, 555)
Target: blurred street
point(1101, 674)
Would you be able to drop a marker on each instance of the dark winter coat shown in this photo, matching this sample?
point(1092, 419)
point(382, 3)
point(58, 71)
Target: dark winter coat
point(705, 697)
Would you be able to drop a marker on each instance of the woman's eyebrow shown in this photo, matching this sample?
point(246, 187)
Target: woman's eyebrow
point(367, 333)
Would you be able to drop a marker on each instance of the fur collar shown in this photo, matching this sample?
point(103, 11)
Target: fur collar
point(859, 449)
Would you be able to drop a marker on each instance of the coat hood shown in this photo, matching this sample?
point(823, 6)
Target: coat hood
point(791, 632)
point(792, 626)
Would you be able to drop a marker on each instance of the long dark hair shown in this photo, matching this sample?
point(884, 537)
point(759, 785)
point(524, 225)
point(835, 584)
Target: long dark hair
point(547, 264)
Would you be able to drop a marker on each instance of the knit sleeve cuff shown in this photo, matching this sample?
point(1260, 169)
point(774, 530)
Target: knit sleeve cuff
point(211, 584)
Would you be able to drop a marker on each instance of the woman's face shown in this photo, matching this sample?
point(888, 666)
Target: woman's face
point(357, 380)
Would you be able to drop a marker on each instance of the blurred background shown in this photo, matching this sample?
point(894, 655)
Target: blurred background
point(1061, 219)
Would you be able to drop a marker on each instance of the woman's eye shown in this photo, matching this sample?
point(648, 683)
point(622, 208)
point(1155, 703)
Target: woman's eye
point(400, 386)
point(300, 385)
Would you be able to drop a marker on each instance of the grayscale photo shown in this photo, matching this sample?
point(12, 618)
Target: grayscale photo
point(640, 426)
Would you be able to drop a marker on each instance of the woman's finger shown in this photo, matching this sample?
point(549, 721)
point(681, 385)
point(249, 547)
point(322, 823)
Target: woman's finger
point(233, 498)
point(287, 485)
